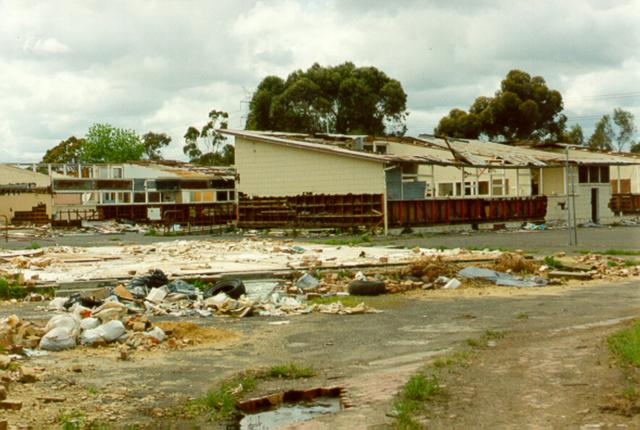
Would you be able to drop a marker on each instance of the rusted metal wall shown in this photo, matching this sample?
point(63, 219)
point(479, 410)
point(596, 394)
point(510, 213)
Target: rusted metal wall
point(456, 211)
point(311, 211)
point(625, 204)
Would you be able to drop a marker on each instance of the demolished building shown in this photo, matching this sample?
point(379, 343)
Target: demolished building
point(162, 192)
point(328, 180)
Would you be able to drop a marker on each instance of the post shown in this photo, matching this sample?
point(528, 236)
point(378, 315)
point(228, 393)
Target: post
point(573, 204)
point(462, 184)
point(566, 193)
point(541, 183)
point(384, 202)
point(619, 182)
point(433, 182)
point(517, 182)
point(490, 182)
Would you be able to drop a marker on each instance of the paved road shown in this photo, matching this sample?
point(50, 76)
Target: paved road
point(371, 354)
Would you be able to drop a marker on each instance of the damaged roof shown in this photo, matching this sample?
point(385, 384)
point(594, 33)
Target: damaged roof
point(526, 155)
point(311, 142)
point(447, 152)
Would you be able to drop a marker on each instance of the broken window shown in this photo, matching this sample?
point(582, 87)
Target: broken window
point(604, 174)
point(222, 196)
point(154, 197)
point(116, 172)
point(583, 174)
point(445, 189)
point(124, 197)
point(138, 197)
point(483, 188)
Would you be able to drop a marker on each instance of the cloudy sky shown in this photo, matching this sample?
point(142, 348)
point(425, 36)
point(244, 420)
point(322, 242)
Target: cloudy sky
point(162, 65)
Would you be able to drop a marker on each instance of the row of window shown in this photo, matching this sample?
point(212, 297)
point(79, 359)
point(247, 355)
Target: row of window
point(474, 188)
point(167, 197)
point(593, 174)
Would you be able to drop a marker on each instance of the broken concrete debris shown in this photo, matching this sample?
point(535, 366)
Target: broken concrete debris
point(499, 278)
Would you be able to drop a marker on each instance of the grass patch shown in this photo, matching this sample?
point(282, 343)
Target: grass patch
point(151, 232)
point(487, 335)
point(522, 316)
point(290, 371)
point(625, 345)
point(460, 358)
point(612, 263)
point(11, 290)
point(473, 342)
point(378, 302)
point(621, 252)
point(219, 403)
point(34, 245)
point(419, 389)
point(631, 263)
point(552, 262)
point(492, 334)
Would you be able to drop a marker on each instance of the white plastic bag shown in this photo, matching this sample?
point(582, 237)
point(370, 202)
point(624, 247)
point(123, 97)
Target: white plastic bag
point(58, 339)
point(67, 321)
point(89, 323)
point(92, 336)
point(113, 330)
point(156, 333)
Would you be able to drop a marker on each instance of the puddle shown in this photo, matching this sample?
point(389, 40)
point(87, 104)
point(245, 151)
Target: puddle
point(289, 413)
point(281, 409)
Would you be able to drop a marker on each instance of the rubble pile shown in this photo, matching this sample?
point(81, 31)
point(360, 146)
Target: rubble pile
point(605, 267)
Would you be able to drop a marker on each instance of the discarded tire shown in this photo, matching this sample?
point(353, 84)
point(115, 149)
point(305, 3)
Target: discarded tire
point(233, 288)
point(367, 288)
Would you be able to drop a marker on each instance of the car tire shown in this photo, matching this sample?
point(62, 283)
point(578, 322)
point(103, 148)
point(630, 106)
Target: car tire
point(367, 288)
point(233, 288)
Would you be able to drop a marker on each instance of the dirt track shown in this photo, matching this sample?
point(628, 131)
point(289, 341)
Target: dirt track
point(372, 355)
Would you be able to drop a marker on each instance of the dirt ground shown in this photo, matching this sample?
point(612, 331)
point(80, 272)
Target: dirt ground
point(559, 379)
point(539, 242)
point(371, 355)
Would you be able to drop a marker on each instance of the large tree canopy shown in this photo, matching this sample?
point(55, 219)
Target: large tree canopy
point(620, 132)
point(108, 144)
point(339, 99)
point(153, 143)
point(207, 146)
point(67, 151)
point(524, 108)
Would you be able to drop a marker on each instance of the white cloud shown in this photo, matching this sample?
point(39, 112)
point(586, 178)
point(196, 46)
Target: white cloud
point(163, 66)
point(47, 45)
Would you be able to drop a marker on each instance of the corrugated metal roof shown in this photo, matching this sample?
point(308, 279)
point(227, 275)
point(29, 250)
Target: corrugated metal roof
point(527, 156)
point(337, 150)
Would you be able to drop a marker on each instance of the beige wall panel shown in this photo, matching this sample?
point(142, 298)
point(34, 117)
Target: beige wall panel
point(15, 175)
point(9, 203)
point(273, 170)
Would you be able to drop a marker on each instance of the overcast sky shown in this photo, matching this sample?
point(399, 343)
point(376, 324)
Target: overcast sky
point(163, 65)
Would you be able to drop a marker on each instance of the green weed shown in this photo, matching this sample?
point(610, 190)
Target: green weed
point(419, 389)
point(290, 371)
point(34, 245)
point(522, 316)
point(11, 290)
point(552, 262)
point(621, 252)
point(625, 345)
point(612, 263)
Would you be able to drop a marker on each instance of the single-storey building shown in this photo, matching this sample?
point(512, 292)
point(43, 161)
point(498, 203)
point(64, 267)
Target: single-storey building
point(338, 180)
point(25, 196)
